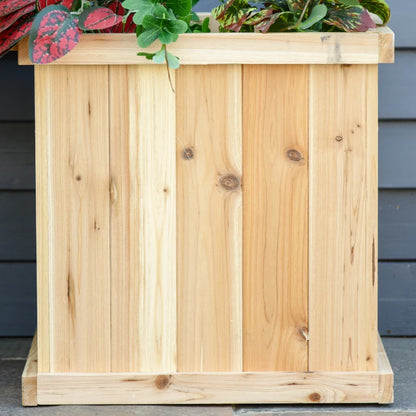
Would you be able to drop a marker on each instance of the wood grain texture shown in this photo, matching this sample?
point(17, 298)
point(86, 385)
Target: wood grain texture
point(209, 166)
point(386, 382)
point(29, 376)
point(42, 108)
point(233, 48)
point(343, 218)
point(143, 219)
point(73, 117)
point(275, 218)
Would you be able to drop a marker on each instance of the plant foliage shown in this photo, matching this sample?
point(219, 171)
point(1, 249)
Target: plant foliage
point(55, 26)
point(300, 15)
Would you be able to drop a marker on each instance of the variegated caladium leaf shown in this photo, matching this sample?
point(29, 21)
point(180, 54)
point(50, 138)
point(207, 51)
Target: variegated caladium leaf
point(10, 6)
point(10, 19)
point(296, 5)
point(233, 14)
point(123, 27)
point(16, 32)
point(54, 33)
point(97, 18)
point(42, 4)
point(378, 7)
point(350, 18)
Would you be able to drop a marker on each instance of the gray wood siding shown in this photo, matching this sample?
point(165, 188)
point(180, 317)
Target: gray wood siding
point(397, 177)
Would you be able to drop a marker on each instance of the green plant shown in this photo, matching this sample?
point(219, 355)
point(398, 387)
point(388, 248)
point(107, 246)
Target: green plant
point(165, 21)
point(300, 15)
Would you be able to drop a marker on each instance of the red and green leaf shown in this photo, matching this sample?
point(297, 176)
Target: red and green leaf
point(97, 18)
point(54, 33)
point(378, 7)
point(350, 18)
point(296, 5)
point(10, 6)
point(233, 14)
point(128, 26)
point(15, 33)
point(10, 19)
point(42, 4)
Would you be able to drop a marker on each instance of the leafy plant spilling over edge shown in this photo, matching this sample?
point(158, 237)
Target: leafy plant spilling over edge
point(55, 26)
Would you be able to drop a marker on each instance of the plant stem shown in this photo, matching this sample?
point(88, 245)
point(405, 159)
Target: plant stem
point(167, 68)
point(301, 16)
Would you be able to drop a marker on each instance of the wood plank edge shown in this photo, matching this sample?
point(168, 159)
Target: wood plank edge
point(386, 39)
point(386, 376)
point(29, 376)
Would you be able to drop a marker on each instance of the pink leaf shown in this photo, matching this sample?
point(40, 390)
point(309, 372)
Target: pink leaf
point(14, 33)
point(10, 19)
point(10, 6)
point(97, 18)
point(54, 33)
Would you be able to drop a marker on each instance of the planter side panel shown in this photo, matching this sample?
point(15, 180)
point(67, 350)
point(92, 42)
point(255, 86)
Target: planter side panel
point(275, 232)
point(143, 218)
point(209, 166)
point(73, 127)
point(343, 218)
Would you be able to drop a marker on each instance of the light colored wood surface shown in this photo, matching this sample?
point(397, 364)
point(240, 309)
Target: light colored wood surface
point(235, 48)
point(343, 286)
point(209, 166)
point(42, 109)
point(386, 45)
point(275, 218)
point(127, 388)
point(79, 217)
point(143, 219)
point(386, 382)
point(29, 376)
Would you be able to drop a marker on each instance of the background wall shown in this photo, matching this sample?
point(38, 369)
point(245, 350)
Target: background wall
point(397, 207)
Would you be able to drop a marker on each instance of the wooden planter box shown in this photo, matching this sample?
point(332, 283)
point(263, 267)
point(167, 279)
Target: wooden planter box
point(213, 245)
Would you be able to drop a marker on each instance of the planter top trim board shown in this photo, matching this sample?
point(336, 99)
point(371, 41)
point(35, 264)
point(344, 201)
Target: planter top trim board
point(372, 47)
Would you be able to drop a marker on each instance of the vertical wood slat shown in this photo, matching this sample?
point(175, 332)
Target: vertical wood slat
point(275, 114)
point(143, 219)
point(209, 166)
point(343, 218)
point(42, 109)
point(76, 117)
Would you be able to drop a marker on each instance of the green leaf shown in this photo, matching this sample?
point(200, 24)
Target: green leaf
point(148, 37)
point(283, 21)
point(148, 56)
point(296, 5)
point(378, 7)
point(349, 18)
point(148, 7)
point(181, 8)
point(194, 17)
point(176, 26)
point(173, 61)
point(167, 37)
point(317, 14)
point(159, 57)
point(349, 2)
point(205, 26)
point(131, 4)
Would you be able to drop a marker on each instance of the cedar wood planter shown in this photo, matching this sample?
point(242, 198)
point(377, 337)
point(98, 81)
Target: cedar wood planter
point(216, 245)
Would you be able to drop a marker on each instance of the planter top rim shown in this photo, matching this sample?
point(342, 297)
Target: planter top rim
point(372, 47)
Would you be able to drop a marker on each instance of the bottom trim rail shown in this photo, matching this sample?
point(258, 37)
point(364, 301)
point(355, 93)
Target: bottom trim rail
point(213, 388)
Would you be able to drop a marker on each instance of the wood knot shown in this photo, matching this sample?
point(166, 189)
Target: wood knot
point(188, 153)
point(229, 182)
point(339, 138)
point(78, 178)
point(294, 155)
point(162, 382)
point(315, 397)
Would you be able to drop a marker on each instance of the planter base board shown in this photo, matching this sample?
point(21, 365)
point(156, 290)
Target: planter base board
point(206, 388)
